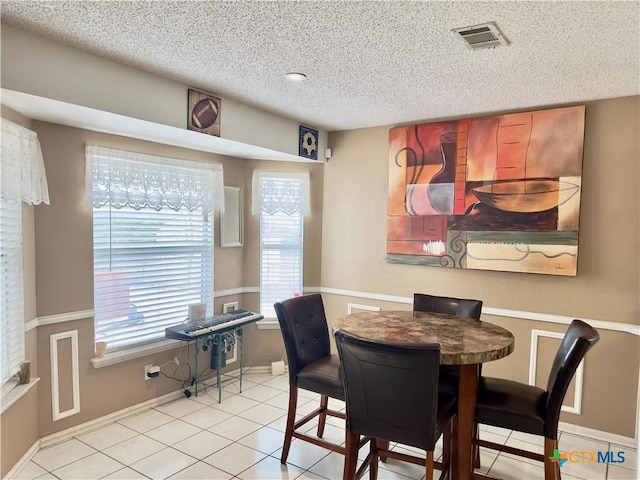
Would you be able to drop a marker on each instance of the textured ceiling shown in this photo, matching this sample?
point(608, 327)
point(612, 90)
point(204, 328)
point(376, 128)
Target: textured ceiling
point(368, 63)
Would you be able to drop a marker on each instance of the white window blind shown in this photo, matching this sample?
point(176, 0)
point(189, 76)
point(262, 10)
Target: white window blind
point(22, 179)
point(153, 242)
point(281, 199)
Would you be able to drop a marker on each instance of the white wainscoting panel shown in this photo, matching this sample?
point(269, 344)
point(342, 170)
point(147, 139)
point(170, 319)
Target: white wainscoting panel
point(75, 381)
point(533, 360)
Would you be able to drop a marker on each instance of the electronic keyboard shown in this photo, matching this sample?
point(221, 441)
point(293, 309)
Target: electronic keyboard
point(211, 325)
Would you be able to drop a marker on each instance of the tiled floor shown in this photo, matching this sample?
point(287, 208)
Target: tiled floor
point(241, 438)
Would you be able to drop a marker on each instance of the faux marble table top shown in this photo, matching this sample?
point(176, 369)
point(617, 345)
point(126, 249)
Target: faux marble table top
point(462, 341)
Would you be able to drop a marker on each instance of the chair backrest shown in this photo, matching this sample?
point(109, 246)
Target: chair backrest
point(304, 329)
point(578, 340)
point(454, 306)
point(391, 390)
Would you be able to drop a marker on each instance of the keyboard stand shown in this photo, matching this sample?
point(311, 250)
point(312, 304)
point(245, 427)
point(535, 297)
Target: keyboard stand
point(217, 341)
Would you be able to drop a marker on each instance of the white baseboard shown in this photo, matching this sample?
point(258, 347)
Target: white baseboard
point(598, 435)
point(94, 424)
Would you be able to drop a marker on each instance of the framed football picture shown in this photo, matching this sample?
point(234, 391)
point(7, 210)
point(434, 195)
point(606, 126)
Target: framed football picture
point(203, 113)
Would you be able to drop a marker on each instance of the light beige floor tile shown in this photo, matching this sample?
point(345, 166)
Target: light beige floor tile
point(257, 377)
point(570, 442)
point(270, 468)
point(524, 445)
point(94, 466)
point(173, 432)
point(280, 424)
point(143, 422)
point(405, 468)
point(266, 440)
point(236, 405)
point(260, 393)
point(508, 468)
point(107, 436)
point(235, 428)
point(308, 394)
point(497, 430)
point(630, 456)
point(29, 471)
point(487, 457)
point(202, 444)
point(134, 449)
point(303, 454)
point(262, 414)
point(527, 437)
point(233, 388)
point(235, 458)
point(331, 466)
point(282, 401)
point(201, 471)
point(57, 456)
point(125, 474)
point(180, 408)
point(206, 417)
point(331, 434)
point(308, 475)
point(164, 463)
point(281, 382)
point(617, 472)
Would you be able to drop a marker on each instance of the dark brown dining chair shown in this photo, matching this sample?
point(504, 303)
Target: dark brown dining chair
point(392, 394)
point(311, 366)
point(460, 307)
point(530, 409)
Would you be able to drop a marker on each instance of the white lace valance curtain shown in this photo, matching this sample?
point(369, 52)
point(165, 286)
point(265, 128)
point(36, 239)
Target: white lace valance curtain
point(22, 174)
point(286, 192)
point(137, 180)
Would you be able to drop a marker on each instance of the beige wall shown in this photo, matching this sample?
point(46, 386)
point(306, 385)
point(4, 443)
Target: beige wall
point(64, 257)
point(64, 73)
point(606, 288)
point(23, 416)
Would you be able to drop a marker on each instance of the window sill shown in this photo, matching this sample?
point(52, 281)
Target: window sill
point(16, 393)
point(111, 358)
point(268, 324)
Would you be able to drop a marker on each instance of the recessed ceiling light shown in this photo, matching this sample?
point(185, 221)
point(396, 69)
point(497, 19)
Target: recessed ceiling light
point(295, 76)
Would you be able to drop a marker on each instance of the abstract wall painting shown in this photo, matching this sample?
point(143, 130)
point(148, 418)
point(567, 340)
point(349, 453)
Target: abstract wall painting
point(492, 193)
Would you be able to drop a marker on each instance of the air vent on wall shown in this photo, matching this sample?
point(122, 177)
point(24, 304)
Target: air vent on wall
point(486, 35)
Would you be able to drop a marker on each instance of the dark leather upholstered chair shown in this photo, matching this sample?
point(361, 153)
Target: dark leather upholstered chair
point(311, 366)
point(453, 306)
point(392, 394)
point(460, 307)
point(530, 409)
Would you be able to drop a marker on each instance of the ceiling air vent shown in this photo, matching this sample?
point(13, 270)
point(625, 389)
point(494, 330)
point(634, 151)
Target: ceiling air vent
point(486, 35)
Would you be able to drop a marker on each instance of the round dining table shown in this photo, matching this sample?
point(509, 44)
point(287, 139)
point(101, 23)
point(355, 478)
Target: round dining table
point(464, 342)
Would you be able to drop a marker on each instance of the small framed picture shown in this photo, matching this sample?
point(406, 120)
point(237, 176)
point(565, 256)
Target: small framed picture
point(197, 312)
point(204, 113)
point(308, 143)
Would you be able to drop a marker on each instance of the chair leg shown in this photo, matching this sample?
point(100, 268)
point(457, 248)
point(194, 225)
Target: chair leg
point(351, 456)
point(291, 418)
point(476, 447)
point(551, 468)
point(446, 447)
point(429, 463)
point(324, 404)
point(373, 466)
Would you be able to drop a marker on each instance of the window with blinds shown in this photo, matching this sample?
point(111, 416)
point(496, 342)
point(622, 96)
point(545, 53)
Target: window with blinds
point(281, 250)
point(281, 199)
point(149, 266)
point(11, 289)
point(22, 181)
point(152, 241)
